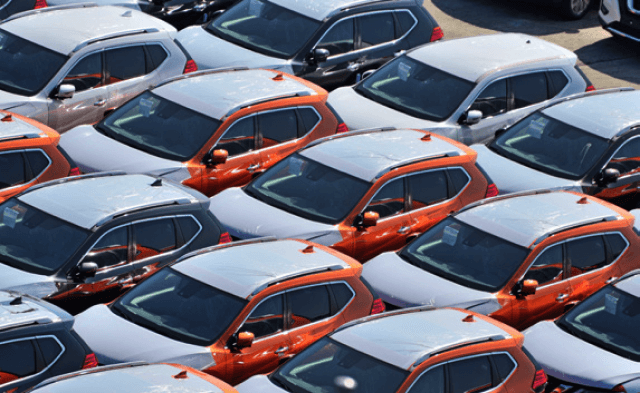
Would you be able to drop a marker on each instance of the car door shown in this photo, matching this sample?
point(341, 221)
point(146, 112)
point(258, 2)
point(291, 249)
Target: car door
point(376, 40)
point(278, 133)
point(125, 68)
point(626, 160)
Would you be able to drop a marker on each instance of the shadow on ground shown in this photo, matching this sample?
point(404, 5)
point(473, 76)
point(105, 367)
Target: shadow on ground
point(613, 56)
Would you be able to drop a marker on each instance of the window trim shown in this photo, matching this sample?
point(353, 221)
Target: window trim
point(33, 338)
point(23, 152)
point(146, 44)
point(608, 161)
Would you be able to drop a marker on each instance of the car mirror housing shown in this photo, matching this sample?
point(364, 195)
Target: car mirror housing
point(370, 219)
point(218, 156)
point(473, 117)
point(65, 91)
point(528, 287)
point(88, 269)
point(241, 340)
point(319, 55)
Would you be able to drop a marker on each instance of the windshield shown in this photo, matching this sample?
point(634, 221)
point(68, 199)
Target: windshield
point(159, 127)
point(465, 255)
point(25, 68)
point(551, 146)
point(264, 27)
point(608, 319)
point(316, 369)
point(180, 307)
point(35, 241)
point(308, 189)
point(416, 89)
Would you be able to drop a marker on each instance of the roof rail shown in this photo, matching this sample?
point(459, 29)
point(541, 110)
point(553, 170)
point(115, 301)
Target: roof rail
point(295, 275)
point(93, 370)
point(72, 178)
point(29, 135)
point(572, 226)
point(114, 35)
point(384, 315)
point(560, 100)
point(501, 197)
point(225, 245)
point(199, 73)
point(137, 209)
point(262, 101)
point(413, 161)
point(423, 358)
point(625, 130)
point(353, 4)
point(48, 9)
point(350, 133)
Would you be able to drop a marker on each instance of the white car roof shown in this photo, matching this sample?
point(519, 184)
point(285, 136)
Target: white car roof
point(244, 270)
point(65, 29)
point(17, 128)
point(221, 93)
point(368, 155)
point(472, 58)
point(406, 339)
point(318, 9)
point(631, 285)
point(525, 219)
point(26, 311)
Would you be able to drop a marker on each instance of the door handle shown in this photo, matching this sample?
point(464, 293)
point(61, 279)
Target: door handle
point(353, 66)
point(100, 103)
point(404, 230)
point(281, 350)
point(612, 279)
point(562, 297)
point(253, 167)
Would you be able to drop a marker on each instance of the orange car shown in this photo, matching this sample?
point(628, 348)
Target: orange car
point(232, 311)
point(29, 154)
point(520, 258)
point(361, 193)
point(209, 130)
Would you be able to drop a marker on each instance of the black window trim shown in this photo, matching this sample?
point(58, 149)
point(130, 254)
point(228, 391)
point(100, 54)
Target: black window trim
point(26, 163)
point(37, 348)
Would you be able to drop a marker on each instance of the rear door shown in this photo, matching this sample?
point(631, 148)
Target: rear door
point(125, 70)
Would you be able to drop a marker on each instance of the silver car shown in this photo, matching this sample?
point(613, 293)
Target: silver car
point(464, 89)
point(82, 61)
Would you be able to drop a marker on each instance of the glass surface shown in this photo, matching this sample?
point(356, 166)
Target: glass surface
point(11, 170)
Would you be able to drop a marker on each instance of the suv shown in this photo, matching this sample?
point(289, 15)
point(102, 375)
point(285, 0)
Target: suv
point(412, 351)
point(82, 61)
point(210, 130)
point(361, 193)
point(37, 341)
point(453, 88)
point(330, 43)
point(233, 310)
point(517, 258)
point(85, 239)
point(29, 154)
point(621, 18)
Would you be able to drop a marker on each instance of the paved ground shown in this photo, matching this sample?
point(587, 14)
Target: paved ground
point(608, 62)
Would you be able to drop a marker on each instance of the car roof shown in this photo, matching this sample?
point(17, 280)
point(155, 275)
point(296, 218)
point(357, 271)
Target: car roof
point(90, 201)
point(27, 311)
point(527, 219)
point(63, 30)
point(319, 9)
point(17, 129)
point(244, 270)
point(221, 93)
point(368, 155)
point(407, 339)
point(486, 54)
point(604, 115)
point(630, 284)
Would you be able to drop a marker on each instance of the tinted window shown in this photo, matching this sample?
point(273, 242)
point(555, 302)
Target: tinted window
point(87, 74)
point(342, 293)
point(406, 22)
point(617, 244)
point(470, 375)
point(504, 365)
point(430, 382)
point(239, 138)
point(309, 118)
point(38, 161)
point(376, 29)
point(278, 126)
point(111, 250)
point(309, 305)
point(548, 266)
point(459, 178)
point(11, 170)
point(586, 254)
point(492, 100)
point(557, 82)
point(267, 318)
point(627, 158)
point(389, 200)
point(189, 228)
point(157, 54)
point(49, 348)
point(338, 39)
point(125, 63)
point(529, 89)
point(17, 360)
point(153, 238)
point(428, 188)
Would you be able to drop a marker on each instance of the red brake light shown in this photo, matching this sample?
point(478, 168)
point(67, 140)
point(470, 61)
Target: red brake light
point(539, 381)
point(619, 388)
point(492, 191)
point(378, 307)
point(75, 172)
point(191, 66)
point(90, 361)
point(437, 34)
point(342, 128)
point(224, 238)
point(590, 88)
point(40, 4)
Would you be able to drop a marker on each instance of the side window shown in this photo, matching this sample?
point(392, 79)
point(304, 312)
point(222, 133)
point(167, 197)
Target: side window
point(459, 178)
point(430, 382)
point(376, 29)
point(309, 119)
point(50, 349)
point(406, 22)
point(111, 250)
point(267, 318)
point(492, 100)
point(153, 238)
point(125, 63)
point(428, 188)
point(157, 54)
point(617, 244)
point(342, 293)
point(470, 375)
point(548, 266)
point(586, 254)
point(308, 305)
point(504, 365)
point(87, 74)
point(17, 360)
point(529, 89)
point(339, 38)
point(389, 200)
point(38, 161)
point(238, 139)
point(557, 82)
point(278, 126)
point(12, 171)
point(627, 158)
point(188, 227)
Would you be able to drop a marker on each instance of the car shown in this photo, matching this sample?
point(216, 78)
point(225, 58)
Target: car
point(29, 154)
point(10, 7)
point(415, 350)
point(519, 258)
point(594, 346)
point(37, 341)
point(210, 130)
point(453, 88)
point(362, 192)
point(330, 43)
point(588, 143)
point(138, 377)
point(621, 18)
point(234, 310)
point(82, 240)
point(83, 61)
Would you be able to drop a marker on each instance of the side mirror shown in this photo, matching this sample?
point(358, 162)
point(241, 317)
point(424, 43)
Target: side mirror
point(218, 156)
point(610, 175)
point(528, 287)
point(65, 91)
point(370, 219)
point(319, 55)
point(88, 269)
point(241, 340)
point(473, 117)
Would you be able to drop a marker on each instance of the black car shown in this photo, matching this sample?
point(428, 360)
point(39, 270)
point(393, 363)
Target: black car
point(86, 239)
point(37, 341)
point(331, 43)
point(621, 18)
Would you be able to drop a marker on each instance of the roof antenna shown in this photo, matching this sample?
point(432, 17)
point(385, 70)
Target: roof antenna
point(157, 183)
point(7, 118)
point(278, 77)
point(127, 14)
point(468, 318)
point(426, 137)
point(16, 301)
point(583, 201)
point(181, 375)
point(308, 250)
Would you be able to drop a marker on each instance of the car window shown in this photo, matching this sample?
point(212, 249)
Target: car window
point(308, 305)
point(470, 375)
point(585, 254)
point(627, 158)
point(548, 266)
point(157, 54)
point(12, 171)
point(267, 318)
point(430, 382)
point(459, 178)
point(125, 63)
point(111, 250)
point(428, 188)
point(389, 200)
point(342, 294)
point(239, 138)
point(376, 29)
point(406, 22)
point(529, 89)
point(339, 38)
point(617, 244)
point(86, 74)
point(557, 82)
point(153, 238)
point(309, 119)
point(504, 365)
point(278, 126)
point(492, 100)
point(49, 348)
point(189, 228)
point(17, 360)
point(38, 162)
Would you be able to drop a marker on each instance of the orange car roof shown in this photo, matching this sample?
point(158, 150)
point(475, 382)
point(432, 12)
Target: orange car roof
point(15, 128)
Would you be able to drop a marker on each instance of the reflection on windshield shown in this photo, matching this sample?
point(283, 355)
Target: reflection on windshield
point(465, 255)
point(416, 89)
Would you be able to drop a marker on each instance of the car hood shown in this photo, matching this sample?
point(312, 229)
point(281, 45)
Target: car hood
point(510, 176)
point(573, 360)
point(209, 51)
point(404, 285)
point(9, 100)
point(116, 340)
point(95, 152)
point(24, 282)
point(258, 383)
point(246, 217)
